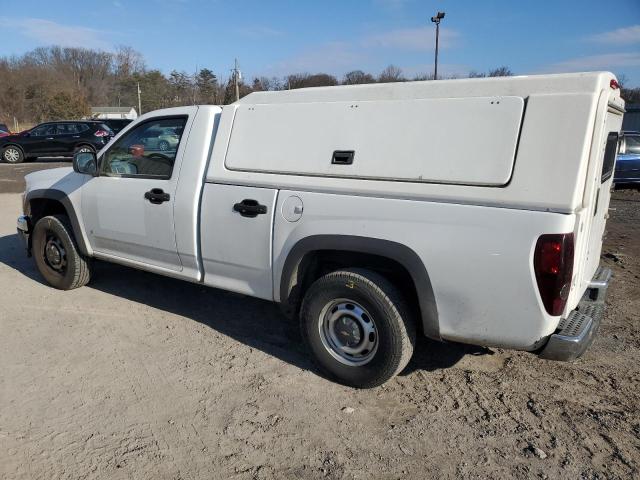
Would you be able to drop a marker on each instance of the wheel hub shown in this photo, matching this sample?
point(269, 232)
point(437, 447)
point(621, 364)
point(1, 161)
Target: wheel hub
point(55, 254)
point(348, 332)
point(11, 155)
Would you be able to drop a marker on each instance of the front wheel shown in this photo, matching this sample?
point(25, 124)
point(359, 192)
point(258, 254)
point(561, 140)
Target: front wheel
point(56, 254)
point(12, 154)
point(358, 327)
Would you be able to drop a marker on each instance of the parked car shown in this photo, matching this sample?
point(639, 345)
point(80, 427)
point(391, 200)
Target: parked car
point(4, 128)
point(55, 139)
point(356, 209)
point(116, 124)
point(162, 139)
point(627, 171)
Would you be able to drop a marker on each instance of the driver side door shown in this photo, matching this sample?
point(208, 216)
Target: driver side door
point(128, 208)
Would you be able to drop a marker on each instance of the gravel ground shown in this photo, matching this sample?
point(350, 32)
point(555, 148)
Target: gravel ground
point(140, 376)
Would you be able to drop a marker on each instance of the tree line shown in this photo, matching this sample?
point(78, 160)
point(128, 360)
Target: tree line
point(53, 83)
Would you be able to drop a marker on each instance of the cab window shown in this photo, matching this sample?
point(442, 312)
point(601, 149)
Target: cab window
point(147, 151)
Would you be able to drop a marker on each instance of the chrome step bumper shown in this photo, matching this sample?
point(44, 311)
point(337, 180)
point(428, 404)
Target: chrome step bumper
point(576, 332)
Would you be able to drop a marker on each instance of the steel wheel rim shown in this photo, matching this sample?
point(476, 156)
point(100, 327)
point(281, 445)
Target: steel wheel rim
point(348, 332)
point(11, 155)
point(164, 146)
point(54, 254)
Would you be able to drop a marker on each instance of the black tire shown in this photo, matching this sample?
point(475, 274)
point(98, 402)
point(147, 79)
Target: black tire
point(12, 154)
point(74, 269)
point(373, 294)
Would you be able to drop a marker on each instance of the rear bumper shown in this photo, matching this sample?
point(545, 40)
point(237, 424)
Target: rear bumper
point(576, 332)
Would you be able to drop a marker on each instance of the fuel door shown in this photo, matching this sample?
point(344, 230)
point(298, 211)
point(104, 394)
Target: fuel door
point(292, 209)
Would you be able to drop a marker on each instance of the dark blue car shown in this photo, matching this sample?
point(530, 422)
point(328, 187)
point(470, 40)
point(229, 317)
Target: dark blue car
point(628, 162)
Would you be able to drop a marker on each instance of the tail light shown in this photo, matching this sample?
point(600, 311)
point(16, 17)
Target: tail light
point(101, 133)
point(553, 265)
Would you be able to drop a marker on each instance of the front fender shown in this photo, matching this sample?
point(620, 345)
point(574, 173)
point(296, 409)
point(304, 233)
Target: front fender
point(67, 200)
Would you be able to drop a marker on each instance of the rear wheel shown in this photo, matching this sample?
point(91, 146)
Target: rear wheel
point(12, 154)
point(56, 254)
point(358, 327)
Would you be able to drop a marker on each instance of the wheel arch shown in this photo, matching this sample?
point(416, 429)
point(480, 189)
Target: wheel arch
point(301, 268)
point(43, 202)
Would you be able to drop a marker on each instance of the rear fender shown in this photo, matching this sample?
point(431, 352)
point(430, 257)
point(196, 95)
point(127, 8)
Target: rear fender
point(383, 248)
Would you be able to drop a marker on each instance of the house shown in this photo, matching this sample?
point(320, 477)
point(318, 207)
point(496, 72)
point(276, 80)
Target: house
point(114, 112)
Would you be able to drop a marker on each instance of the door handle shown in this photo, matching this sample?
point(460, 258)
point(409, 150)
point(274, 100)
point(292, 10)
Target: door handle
point(250, 208)
point(157, 196)
point(49, 138)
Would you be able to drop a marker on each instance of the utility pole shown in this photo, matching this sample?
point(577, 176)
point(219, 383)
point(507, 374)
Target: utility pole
point(439, 16)
point(195, 85)
point(236, 79)
point(139, 101)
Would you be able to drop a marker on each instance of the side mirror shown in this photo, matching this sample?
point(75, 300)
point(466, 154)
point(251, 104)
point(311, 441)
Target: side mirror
point(86, 163)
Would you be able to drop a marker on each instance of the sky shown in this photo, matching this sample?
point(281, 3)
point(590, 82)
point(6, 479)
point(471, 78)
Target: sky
point(276, 38)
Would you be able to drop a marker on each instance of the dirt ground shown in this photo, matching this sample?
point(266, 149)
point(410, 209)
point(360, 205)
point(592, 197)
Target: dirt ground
point(145, 377)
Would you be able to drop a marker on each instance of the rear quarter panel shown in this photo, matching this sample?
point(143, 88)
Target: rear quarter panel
point(479, 259)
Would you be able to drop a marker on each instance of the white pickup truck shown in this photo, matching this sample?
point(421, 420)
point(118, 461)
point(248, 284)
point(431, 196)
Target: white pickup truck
point(464, 210)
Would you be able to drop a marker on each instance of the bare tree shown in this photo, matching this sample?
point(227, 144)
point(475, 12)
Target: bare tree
point(128, 61)
point(272, 83)
point(357, 77)
point(391, 74)
point(496, 72)
point(500, 72)
point(304, 80)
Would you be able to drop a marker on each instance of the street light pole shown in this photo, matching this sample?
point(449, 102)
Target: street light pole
point(439, 16)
